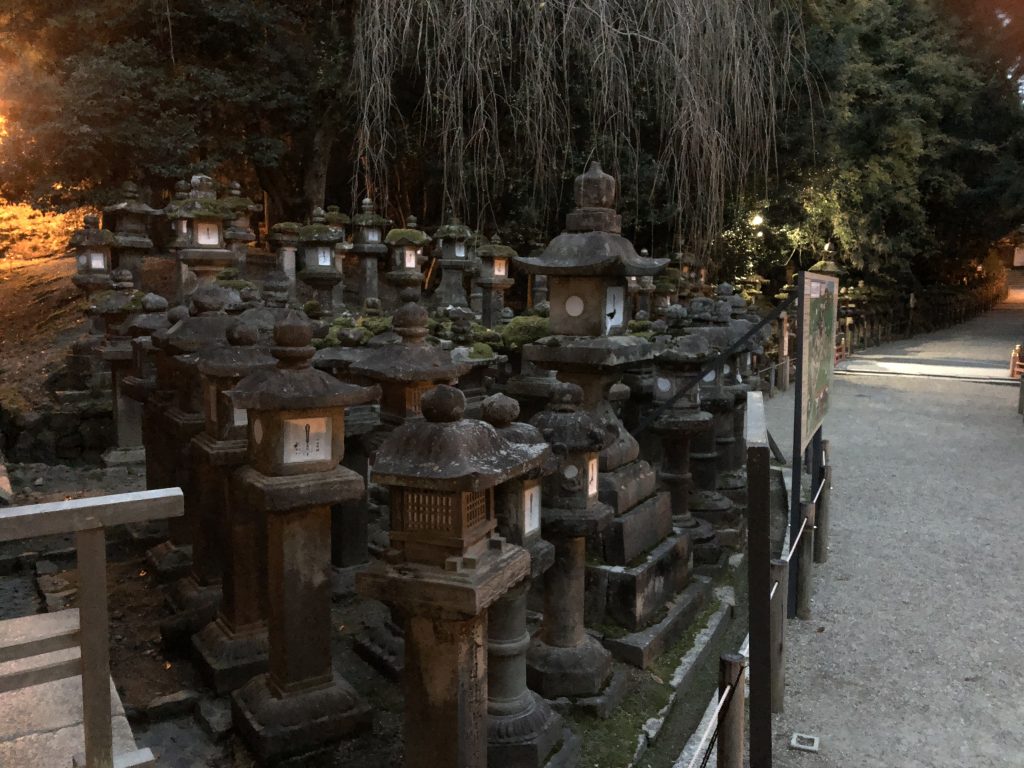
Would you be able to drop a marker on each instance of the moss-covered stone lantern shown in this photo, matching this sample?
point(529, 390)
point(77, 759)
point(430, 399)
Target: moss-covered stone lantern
point(92, 248)
point(495, 262)
point(367, 249)
point(317, 241)
point(239, 231)
point(453, 240)
point(199, 223)
point(129, 221)
point(445, 569)
point(406, 245)
point(296, 438)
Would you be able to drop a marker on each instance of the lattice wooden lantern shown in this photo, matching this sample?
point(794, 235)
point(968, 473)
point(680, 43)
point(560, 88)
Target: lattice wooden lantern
point(441, 474)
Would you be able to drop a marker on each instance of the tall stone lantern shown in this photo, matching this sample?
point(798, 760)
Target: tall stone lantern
point(92, 248)
point(495, 263)
point(367, 249)
point(522, 728)
point(563, 659)
point(406, 245)
point(129, 221)
point(239, 232)
point(445, 569)
point(317, 241)
point(638, 563)
point(199, 224)
point(296, 438)
point(452, 238)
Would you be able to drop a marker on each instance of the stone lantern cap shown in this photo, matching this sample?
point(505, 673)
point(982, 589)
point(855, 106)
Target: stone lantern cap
point(368, 216)
point(684, 351)
point(501, 412)
point(200, 203)
point(413, 360)
point(293, 384)
point(564, 424)
point(121, 298)
point(447, 452)
point(152, 318)
point(453, 230)
point(827, 267)
point(285, 232)
point(336, 218)
point(208, 326)
point(131, 203)
point(237, 203)
point(495, 249)
point(592, 244)
point(90, 235)
point(408, 235)
point(318, 230)
point(241, 355)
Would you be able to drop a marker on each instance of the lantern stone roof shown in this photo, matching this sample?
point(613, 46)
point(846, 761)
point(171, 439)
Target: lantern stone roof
point(591, 244)
point(447, 452)
point(562, 423)
point(207, 326)
point(413, 360)
point(200, 203)
point(336, 217)
point(408, 235)
point(240, 357)
point(501, 411)
point(90, 235)
point(368, 217)
point(454, 229)
point(318, 231)
point(237, 203)
point(131, 202)
point(495, 249)
point(684, 351)
point(152, 318)
point(293, 384)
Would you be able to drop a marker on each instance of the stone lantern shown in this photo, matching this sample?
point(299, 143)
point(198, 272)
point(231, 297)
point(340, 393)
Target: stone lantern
point(92, 249)
point(406, 244)
point(239, 232)
point(452, 239)
point(638, 563)
point(445, 569)
point(215, 453)
point(367, 249)
point(406, 370)
point(563, 659)
point(296, 438)
point(495, 263)
point(129, 221)
point(317, 240)
point(522, 728)
point(199, 223)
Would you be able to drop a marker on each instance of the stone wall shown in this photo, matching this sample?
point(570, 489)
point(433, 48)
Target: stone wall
point(76, 432)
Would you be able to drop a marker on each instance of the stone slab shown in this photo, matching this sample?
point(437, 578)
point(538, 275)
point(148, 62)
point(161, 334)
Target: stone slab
point(640, 529)
point(625, 487)
point(640, 649)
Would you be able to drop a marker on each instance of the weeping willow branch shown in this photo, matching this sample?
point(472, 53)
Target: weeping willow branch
point(525, 87)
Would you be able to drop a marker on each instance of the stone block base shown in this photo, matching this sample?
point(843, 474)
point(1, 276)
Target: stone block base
point(636, 531)
point(118, 457)
point(187, 594)
point(524, 739)
point(168, 561)
point(640, 649)
point(601, 706)
point(228, 660)
point(343, 580)
point(299, 723)
point(574, 672)
point(634, 596)
point(383, 648)
point(176, 631)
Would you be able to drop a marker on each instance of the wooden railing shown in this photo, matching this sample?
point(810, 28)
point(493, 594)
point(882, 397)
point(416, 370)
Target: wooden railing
point(88, 626)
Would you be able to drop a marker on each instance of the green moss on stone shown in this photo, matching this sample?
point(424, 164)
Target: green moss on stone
point(524, 330)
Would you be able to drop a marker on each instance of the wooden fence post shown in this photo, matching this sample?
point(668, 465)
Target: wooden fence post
point(95, 644)
point(780, 575)
point(805, 572)
point(731, 718)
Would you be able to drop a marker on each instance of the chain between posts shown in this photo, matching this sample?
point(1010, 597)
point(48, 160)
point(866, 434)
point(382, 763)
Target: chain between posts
point(648, 420)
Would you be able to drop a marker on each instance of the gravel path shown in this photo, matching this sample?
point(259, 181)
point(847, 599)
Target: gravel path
point(912, 657)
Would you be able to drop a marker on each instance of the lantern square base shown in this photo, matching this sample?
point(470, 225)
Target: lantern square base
point(579, 670)
point(228, 659)
point(279, 728)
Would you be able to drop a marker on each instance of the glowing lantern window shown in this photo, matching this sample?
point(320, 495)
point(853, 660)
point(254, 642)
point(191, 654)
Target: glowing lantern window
point(531, 508)
point(306, 440)
point(410, 257)
point(324, 257)
point(207, 233)
point(500, 267)
point(592, 477)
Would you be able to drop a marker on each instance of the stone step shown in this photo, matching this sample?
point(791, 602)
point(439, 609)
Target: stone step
point(641, 648)
point(624, 488)
point(638, 530)
point(632, 597)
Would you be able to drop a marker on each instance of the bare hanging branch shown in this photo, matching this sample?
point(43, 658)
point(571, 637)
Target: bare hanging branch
point(525, 82)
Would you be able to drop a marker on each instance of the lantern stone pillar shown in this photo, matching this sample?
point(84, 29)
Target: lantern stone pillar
point(216, 452)
point(563, 659)
point(296, 438)
point(367, 250)
point(446, 569)
point(523, 731)
point(496, 260)
point(317, 241)
point(452, 238)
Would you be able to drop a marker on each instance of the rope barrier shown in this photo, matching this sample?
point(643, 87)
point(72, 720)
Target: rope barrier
point(796, 541)
point(723, 702)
